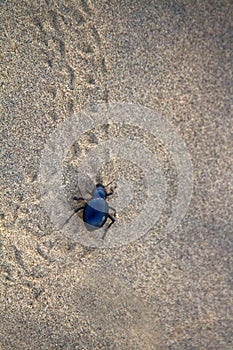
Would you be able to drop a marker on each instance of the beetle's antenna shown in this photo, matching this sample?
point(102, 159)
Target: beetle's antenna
point(109, 183)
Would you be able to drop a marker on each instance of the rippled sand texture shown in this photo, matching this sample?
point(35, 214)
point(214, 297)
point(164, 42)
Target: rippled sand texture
point(169, 291)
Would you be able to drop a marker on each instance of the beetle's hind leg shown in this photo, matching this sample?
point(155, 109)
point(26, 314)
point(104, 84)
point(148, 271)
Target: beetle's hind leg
point(75, 211)
point(112, 222)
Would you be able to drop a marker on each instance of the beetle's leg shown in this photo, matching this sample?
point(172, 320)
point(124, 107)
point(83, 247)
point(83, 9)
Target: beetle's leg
point(114, 210)
point(112, 222)
point(75, 211)
point(109, 194)
point(79, 199)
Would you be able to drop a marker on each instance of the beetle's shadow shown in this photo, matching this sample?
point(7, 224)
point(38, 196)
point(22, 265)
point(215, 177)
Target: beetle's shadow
point(71, 179)
point(85, 184)
point(80, 185)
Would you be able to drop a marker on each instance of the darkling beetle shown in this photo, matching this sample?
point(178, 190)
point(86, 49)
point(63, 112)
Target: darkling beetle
point(96, 209)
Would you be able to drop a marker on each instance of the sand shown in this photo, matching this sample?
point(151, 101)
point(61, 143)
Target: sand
point(162, 291)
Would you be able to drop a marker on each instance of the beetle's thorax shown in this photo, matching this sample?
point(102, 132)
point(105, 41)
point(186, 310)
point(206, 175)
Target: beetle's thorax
point(99, 192)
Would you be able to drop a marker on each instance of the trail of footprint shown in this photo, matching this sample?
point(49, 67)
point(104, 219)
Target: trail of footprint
point(72, 45)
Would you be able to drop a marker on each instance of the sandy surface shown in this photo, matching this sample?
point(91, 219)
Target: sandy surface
point(160, 292)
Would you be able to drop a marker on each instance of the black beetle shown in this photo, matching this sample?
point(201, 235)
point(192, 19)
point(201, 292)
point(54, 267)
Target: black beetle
point(96, 209)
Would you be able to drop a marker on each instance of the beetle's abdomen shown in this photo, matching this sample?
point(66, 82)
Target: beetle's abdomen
point(95, 213)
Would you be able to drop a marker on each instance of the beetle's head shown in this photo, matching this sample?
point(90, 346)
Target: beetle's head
point(99, 192)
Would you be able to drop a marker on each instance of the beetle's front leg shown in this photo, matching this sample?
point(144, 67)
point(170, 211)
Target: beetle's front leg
point(79, 199)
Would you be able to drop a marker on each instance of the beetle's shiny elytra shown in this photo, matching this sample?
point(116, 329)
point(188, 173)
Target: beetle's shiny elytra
point(96, 210)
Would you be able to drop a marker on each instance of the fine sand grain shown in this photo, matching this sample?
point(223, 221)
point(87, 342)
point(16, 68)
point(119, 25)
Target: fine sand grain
point(169, 291)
